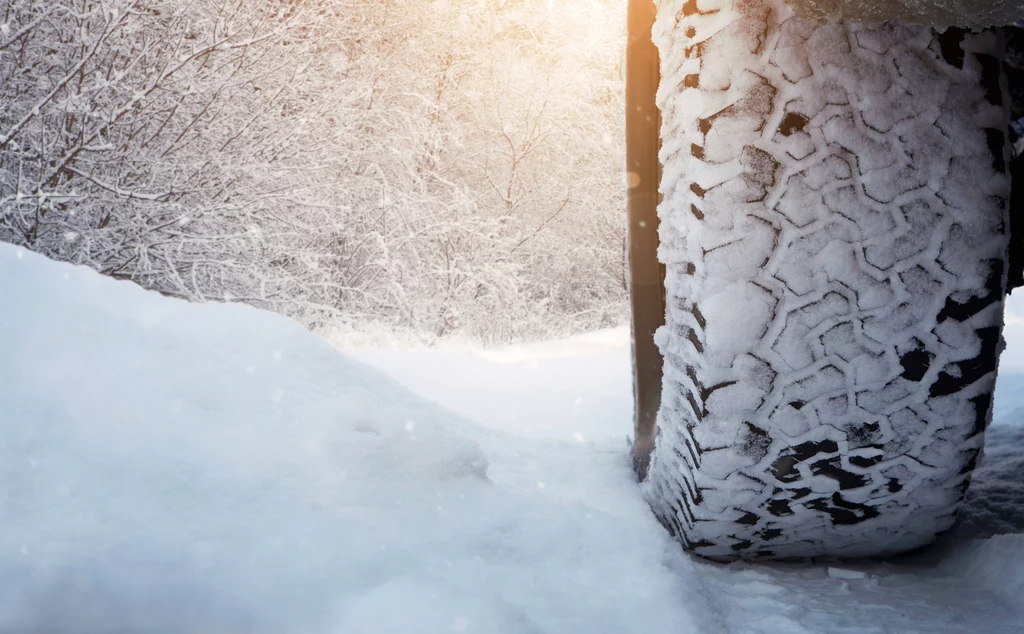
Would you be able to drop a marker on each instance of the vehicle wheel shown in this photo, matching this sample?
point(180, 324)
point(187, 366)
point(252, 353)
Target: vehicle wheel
point(834, 227)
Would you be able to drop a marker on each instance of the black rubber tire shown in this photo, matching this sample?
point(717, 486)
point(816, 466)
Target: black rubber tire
point(835, 232)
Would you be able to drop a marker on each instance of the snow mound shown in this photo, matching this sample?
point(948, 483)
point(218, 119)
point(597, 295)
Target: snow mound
point(938, 13)
point(96, 361)
point(168, 467)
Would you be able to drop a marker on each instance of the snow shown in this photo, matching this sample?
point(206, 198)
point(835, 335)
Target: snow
point(167, 467)
point(966, 13)
point(1013, 332)
point(843, 573)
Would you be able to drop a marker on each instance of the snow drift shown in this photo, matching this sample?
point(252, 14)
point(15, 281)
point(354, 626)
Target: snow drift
point(168, 467)
point(176, 468)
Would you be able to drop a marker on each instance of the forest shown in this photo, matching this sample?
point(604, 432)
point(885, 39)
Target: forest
point(430, 167)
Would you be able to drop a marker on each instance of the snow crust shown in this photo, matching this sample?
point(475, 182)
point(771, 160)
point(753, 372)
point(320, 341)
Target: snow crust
point(170, 468)
point(938, 13)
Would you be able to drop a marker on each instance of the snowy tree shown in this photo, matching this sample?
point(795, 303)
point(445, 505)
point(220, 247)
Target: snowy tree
point(439, 166)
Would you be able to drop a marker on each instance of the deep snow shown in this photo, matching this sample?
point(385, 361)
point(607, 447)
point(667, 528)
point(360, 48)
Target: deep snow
point(167, 467)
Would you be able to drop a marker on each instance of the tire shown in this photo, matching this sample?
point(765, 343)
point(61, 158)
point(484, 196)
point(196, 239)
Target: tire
point(834, 228)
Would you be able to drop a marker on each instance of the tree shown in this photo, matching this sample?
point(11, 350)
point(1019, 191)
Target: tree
point(339, 162)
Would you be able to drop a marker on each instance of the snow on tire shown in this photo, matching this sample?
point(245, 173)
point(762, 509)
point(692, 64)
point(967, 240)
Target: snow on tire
point(834, 229)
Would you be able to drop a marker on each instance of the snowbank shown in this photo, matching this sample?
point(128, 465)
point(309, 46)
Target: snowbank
point(167, 467)
point(173, 468)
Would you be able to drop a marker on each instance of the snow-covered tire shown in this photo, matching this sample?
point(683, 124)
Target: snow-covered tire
point(834, 227)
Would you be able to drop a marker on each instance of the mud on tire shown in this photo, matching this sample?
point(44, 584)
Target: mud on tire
point(834, 229)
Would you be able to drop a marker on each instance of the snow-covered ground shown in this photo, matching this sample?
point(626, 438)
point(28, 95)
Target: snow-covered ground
point(167, 467)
